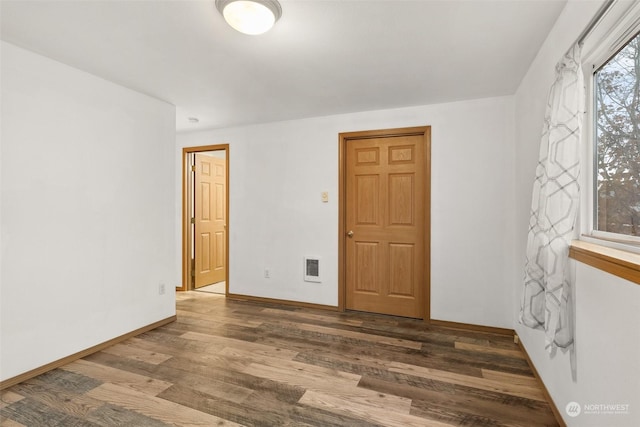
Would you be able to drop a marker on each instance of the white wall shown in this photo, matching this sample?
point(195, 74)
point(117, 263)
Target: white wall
point(607, 308)
point(87, 196)
point(278, 170)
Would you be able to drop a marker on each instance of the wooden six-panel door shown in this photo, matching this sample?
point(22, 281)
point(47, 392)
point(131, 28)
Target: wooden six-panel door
point(385, 223)
point(210, 220)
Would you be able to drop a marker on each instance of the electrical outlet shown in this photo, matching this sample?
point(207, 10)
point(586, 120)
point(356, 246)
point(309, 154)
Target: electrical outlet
point(325, 196)
point(267, 273)
point(161, 289)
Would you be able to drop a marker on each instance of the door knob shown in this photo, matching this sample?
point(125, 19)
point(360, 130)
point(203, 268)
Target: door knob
point(350, 234)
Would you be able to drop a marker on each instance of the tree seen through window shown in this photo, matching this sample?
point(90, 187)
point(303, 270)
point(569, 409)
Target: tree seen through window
point(617, 177)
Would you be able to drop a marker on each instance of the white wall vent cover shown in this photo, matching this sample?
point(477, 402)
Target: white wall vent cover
point(312, 269)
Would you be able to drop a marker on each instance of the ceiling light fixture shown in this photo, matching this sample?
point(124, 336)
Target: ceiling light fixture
point(250, 16)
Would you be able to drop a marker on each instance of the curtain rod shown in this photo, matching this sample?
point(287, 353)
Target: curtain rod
point(594, 22)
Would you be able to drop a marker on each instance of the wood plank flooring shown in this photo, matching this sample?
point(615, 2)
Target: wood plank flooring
point(227, 363)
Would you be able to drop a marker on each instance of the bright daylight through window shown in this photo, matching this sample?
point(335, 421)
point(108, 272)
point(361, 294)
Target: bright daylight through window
point(617, 132)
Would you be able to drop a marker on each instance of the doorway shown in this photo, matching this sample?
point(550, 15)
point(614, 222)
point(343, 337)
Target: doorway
point(384, 252)
point(205, 213)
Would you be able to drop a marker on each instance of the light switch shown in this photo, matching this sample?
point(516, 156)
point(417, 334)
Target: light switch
point(325, 196)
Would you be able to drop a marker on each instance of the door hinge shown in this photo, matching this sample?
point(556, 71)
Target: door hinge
point(193, 220)
point(193, 168)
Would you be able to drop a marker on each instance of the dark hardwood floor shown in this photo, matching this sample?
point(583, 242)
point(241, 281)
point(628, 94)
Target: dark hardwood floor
point(241, 363)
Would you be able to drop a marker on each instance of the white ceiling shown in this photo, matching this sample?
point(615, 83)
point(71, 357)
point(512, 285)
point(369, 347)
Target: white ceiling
point(323, 57)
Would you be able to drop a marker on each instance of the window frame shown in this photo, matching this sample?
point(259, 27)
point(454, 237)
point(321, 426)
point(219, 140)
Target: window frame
point(616, 29)
point(610, 252)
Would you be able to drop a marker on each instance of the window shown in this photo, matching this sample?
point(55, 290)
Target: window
point(610, 220)
point(616, 177)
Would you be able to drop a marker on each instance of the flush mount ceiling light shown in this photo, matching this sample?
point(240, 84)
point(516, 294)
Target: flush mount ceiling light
point(250, 16)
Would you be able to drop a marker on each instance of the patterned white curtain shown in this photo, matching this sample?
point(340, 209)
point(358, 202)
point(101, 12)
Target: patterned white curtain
point(554, 206)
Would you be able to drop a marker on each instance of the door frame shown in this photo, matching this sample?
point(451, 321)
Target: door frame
point(343, 140)
point(187, 241)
